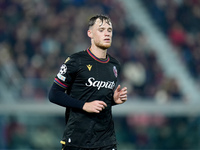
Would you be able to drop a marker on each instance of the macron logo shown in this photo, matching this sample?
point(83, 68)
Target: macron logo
point(100, 84)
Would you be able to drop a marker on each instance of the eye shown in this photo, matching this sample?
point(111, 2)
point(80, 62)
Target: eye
point(110, 30)
point(101, 30)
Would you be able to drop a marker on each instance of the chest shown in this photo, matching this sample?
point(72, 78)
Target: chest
point(100, 75)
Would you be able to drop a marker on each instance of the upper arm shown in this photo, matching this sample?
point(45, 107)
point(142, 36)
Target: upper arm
point(67, 72)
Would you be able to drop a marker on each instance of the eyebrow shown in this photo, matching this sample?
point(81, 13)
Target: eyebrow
point(100, 27)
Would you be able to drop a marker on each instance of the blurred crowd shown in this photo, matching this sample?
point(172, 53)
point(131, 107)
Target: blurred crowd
point(19, 132)
point(163, 133)
point(40, 35)
point(134, 132)
point(180, 21)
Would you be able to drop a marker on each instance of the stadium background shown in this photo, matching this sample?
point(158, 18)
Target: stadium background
point(157, 43)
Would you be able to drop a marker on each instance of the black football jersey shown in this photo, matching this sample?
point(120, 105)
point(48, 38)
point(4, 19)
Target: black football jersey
point(88, 78)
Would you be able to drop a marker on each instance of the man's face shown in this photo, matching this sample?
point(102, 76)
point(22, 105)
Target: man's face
point(102, 34)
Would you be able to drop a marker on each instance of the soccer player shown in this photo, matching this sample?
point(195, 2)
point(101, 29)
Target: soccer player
point(86, 86)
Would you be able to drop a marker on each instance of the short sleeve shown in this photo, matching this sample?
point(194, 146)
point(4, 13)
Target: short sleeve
point(67, 72)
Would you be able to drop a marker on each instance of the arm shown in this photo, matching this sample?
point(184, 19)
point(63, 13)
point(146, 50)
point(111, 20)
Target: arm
point(58, 96)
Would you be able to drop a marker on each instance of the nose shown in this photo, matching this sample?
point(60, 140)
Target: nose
point(107, 33)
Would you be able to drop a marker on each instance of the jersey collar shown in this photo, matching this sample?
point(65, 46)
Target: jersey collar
point(96, 58)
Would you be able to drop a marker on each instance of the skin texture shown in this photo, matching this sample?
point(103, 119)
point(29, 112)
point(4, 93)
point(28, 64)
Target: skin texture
point(101, 39)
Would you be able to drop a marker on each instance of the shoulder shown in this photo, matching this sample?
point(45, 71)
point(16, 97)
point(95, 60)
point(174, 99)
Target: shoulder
point(75, 56)
point(114, 60)
point(78, 54)
point(72, 62)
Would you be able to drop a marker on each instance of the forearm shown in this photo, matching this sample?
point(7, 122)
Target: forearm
point(58, 96)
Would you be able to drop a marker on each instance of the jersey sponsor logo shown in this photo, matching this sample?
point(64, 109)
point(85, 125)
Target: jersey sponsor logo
point(89, 67)
point(63, 69)
point(115, 71)
point(61, 77)
point(100, 84)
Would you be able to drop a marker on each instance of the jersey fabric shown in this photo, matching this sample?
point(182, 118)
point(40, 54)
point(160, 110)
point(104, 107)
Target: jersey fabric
point(88, 78)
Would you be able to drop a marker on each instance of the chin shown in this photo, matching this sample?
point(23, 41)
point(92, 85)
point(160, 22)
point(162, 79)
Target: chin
point(105, 46)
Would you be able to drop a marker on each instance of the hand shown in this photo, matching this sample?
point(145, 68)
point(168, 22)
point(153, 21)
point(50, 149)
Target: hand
point(94, 106)
point(120, 95)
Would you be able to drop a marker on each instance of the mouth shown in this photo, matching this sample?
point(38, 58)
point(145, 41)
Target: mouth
point(107, 40)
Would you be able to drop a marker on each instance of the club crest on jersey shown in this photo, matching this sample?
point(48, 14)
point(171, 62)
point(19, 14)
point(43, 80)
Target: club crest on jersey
point(89, 67)
point(63, 69)
point(115, 71)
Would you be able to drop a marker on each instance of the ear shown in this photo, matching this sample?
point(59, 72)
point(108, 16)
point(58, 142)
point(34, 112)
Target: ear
point(89, 33)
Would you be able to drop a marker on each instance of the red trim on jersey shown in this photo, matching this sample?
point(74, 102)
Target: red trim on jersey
point(60, 83)
point(96, 58)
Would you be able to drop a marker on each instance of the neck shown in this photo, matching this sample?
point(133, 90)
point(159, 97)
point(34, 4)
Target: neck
point(98, 52)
